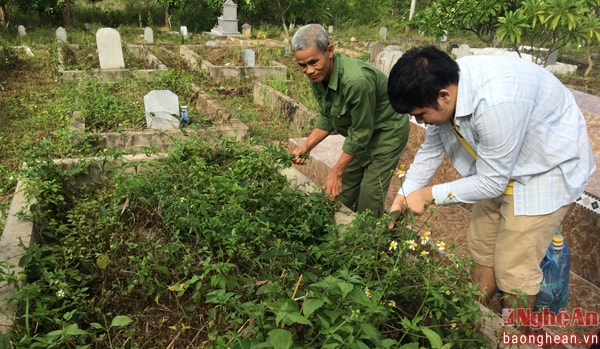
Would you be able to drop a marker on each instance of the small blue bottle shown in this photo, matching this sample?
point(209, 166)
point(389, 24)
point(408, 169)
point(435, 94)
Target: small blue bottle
point(556, 265)
point(184, 115)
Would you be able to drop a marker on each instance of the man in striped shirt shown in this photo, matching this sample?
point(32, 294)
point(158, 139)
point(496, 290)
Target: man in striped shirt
point(517, 137)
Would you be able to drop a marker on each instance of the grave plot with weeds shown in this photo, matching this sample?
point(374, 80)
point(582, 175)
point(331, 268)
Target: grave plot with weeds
point(212, 247)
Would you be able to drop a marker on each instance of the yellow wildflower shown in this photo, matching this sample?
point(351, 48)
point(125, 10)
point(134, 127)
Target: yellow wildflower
point(401, 172)
point(412, 245)
point(425, 237)
point(391, 304)
point(393, 245)
point(424, 253)
point(441, 245)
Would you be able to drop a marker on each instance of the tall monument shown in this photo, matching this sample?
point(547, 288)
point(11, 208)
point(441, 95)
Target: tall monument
point(227, 23)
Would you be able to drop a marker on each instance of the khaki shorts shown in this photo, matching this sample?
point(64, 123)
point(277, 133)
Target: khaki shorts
point(513, 245)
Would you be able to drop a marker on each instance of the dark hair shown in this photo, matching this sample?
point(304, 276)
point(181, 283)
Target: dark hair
point(418, 76)
point(310, 35)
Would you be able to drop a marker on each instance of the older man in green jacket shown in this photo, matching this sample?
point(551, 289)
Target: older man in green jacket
point(353, 101)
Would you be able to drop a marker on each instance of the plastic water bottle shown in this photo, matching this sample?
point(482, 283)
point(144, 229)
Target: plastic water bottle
point(556, 265)
point(184, 115)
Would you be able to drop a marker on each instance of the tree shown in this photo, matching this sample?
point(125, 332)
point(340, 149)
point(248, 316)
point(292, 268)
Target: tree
point(549, 25)
point(588, 33)
point(477, 16)
point(289, 11)
point(5, 7)
point(168, 5)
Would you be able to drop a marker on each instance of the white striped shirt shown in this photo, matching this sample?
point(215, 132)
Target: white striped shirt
point(524, 125)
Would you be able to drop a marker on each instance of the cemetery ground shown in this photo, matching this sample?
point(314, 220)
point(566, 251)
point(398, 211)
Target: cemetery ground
point(146, 261)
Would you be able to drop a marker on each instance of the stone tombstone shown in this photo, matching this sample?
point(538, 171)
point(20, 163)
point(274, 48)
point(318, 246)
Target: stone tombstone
point(148, 35)
point(388, 57)
point(110, 51)
point(162, 110)
point(229, 10)
point(330, 29)
point(183, 30)
point(463, 50)
point(375, 49)
point(246, 30)
point(383, 33)
point(211, 43)
point(227, 24)
point(249, 57)
point(61, 34)
point(21, 30)
point(551, 58)
point(287, 47)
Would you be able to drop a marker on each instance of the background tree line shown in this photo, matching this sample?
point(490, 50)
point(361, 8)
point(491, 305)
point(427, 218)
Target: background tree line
point(548, 24)
point(200, 15)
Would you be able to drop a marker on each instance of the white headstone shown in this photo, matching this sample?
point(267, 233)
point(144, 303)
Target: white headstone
point(61, 34)
point(246, 30)
point(551, 59)
point(249, 57)
point(375, 49)
point(21, 30)
point(227, 24)
point(229, 10)
point(463, 50)
point(330, 29)
point(110, 51)
point(383, 33)
point(162, 110)
point(183, 31)
point(388, 57)
point(148, 35)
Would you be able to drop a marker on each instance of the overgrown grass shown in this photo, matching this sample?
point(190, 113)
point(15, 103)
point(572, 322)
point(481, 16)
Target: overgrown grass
point(369, 285)
point(212, 247)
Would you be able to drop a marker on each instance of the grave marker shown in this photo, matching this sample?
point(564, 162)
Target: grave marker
point(383, 33)
point(463, 50)
point(227, 24)
point(249, 56)
point(110, 51)
point(148, 35)
point(162, 110)
point(61, 34)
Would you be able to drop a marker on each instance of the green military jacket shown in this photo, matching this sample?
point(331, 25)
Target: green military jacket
point(354, 102)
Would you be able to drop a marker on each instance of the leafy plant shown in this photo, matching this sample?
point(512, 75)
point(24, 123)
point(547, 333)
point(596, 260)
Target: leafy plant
point(214, 231)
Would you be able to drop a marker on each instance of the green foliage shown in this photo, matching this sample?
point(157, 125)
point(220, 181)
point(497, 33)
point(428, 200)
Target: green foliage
point(119, 105)
point(8, 55)
point(549, 25)
point(214, 231)
point(477, 16)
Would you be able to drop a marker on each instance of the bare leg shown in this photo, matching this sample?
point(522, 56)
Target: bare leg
point(487, 282)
